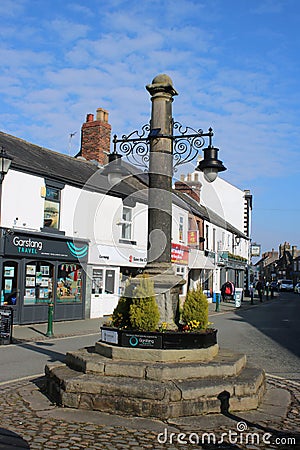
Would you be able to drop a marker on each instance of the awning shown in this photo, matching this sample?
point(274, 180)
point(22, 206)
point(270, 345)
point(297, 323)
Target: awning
point(197, 260)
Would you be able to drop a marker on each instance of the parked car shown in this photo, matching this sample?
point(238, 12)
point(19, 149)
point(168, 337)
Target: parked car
point(274, 285)
point(297, 288)
point(286, 285)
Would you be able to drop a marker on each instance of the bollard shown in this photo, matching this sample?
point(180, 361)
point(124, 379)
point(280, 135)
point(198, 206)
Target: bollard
point(218, 297)
point(50, 319)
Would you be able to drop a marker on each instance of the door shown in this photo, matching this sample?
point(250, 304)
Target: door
point(10, 291)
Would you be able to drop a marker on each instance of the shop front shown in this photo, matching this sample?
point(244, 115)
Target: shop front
point(38, 269)
point(201, 271)
point(109, 268)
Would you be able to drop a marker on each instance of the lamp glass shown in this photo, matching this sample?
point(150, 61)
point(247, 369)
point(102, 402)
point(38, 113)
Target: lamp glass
point(114, 178)
point(4, 164)
point(210, 174)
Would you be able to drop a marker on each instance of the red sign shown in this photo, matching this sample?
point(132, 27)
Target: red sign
point(180, 254)
point(193, 237)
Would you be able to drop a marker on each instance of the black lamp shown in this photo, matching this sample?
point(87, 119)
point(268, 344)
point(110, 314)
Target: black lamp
point(114, 170)
point(5, 162)
point(210, 165)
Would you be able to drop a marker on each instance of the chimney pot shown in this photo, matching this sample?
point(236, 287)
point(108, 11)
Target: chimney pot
point(90, 117)
point(102, 115)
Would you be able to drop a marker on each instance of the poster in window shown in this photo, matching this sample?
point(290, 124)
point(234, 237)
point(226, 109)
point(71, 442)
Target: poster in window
point(30, 270)
point(30, 293)
point(30, 281)
point(9, 271)
point(45, 270)
point(43, 293)
point(38, 278)
point(44, 282)
point(7, 286)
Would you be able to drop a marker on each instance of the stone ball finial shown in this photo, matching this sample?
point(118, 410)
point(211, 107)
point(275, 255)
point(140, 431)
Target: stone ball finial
point(162, 78)
point(161, 83)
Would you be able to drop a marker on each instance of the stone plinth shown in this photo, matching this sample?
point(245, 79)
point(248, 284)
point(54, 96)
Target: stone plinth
point(156, 383)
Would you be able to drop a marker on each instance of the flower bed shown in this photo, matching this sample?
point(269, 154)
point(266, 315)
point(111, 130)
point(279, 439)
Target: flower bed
point(158, 339)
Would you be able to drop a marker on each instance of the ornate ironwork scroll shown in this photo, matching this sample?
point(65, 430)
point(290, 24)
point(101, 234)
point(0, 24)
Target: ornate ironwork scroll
point(135, 146)
point(186, 145)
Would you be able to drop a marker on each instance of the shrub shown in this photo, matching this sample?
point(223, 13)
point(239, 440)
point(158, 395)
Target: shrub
point(144, 312)
point(120, 315)
point(195, 309)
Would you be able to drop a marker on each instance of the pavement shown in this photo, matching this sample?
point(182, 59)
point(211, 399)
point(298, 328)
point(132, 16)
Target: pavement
point(32, 332)
point(29, 420)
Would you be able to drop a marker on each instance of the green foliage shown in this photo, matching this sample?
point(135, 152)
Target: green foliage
point(195, 308)
point(144, 312)
point(120, 316)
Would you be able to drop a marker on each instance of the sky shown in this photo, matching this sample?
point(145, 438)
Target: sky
point(234, 63)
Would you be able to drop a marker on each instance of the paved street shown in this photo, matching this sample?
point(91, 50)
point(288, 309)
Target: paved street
point(259, 330)
point(268, 333)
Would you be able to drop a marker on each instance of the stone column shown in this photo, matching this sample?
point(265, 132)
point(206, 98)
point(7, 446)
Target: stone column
point(159, 266)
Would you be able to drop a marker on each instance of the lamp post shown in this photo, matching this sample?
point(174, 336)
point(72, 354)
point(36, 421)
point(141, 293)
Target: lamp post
point(5, 162)
point(157, 146)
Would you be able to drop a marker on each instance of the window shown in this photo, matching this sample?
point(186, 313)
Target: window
point(97, 281)
point(38, 283)
point(9, 293)
point(52, 208)
point(214, 240)
point(207, 236)
point(127, 223)
point(52, 205)
point(69, 284)
point(180, 229)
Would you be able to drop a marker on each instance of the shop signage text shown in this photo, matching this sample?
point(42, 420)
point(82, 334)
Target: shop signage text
point(180, 254)
point(20, 244)
point(27, 245)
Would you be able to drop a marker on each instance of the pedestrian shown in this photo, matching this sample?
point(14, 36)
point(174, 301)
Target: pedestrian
point(267, 288)
point(251, 289)
point(226, 291)
point(259, 287)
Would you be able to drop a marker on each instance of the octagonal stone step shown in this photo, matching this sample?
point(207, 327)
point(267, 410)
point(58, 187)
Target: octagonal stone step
point(154, 398)
point(225, 364)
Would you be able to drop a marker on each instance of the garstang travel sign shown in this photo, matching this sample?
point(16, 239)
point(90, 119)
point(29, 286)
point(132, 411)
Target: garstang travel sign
point(25, 245)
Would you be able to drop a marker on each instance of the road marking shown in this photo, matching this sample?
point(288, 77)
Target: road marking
point(37, 375)
point(283, 379)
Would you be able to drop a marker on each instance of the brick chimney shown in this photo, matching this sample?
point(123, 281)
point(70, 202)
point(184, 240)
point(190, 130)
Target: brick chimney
point(95, 137)
point(192, 188)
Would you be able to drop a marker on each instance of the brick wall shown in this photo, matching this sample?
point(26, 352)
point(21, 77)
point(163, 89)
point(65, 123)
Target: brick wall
point(95, 137)
point(192, 188)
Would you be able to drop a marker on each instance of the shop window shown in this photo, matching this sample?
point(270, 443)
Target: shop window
point(97, 281)
point(103, 281)
point(9, 293)
point(38, 283)
point(109, 281)
point(69, 284)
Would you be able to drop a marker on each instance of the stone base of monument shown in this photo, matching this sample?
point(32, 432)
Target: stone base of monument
point(156, 383)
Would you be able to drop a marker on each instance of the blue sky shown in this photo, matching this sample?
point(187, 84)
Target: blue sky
point(235, 64)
